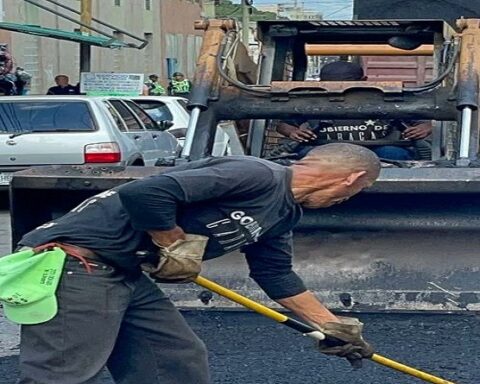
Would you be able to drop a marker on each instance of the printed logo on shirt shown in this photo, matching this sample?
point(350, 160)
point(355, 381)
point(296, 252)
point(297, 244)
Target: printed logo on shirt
point(354, 130)
point(249, 223)
point(47, 225)
point(79, 208)
point(235, 231)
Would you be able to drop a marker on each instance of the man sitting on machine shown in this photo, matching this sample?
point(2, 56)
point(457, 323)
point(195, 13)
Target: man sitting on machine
point(389, 139)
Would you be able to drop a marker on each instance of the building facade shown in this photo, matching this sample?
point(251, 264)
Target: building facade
point(166, 24)
point(291, 12)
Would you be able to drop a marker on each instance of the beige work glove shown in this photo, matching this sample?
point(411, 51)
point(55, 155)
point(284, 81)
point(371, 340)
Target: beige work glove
point(180, 262)
point(345, 340)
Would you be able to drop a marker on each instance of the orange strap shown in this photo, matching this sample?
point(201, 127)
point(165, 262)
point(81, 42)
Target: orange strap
point(72, 250)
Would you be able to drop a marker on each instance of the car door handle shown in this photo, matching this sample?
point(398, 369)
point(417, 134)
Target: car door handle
point(136, 137)
point(155, 137)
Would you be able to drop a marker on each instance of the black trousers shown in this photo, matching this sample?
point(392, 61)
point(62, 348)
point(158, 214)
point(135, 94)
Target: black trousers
point(106, 318)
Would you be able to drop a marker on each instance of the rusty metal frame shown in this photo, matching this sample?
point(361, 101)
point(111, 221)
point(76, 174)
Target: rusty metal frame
point(336, 87)
point(279, 99)
point(365, 50)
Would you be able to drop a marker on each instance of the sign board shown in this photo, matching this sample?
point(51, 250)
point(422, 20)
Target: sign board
point(111, 84)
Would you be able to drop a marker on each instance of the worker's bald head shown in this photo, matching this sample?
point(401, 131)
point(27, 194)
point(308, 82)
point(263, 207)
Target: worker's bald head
point(332, 173)
point(343, 157)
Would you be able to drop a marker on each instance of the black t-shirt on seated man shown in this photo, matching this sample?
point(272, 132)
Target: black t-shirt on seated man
point(237, 201)
point(384, 137)
point(365, 131)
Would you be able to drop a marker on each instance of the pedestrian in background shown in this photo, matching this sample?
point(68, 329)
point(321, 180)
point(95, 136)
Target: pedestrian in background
point(23, 80)
point(63, 87)
point(179, 85)
point(154, 87)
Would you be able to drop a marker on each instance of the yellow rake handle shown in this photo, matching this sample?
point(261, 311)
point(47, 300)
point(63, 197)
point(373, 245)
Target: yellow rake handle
point(408, 370)
point(307, 329)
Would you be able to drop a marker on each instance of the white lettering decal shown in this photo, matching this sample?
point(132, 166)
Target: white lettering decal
point(246, 220)
point(250, 224)
point(47, 225)
point(236, 215)
point(231, 240)
point(218, 222)
point(93, 200)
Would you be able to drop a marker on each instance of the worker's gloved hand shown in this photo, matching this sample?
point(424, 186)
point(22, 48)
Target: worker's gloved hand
point(345, 340)
point(180, 262)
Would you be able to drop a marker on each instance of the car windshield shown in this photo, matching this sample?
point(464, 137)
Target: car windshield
point(157, 110)
point(45, 116)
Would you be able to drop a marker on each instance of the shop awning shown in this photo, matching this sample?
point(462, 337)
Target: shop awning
point(76, 37)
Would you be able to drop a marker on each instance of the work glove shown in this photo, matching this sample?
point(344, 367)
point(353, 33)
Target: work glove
point(345, 339)
point(180, 262)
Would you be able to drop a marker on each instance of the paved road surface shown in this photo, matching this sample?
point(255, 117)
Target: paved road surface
point(248, 349)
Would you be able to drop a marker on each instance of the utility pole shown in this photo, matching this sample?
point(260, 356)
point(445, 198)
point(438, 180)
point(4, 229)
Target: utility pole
point(85, 49)
point(246, 21)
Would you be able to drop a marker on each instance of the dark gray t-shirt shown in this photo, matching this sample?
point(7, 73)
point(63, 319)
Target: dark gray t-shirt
point(362, 132)
point(239, 202)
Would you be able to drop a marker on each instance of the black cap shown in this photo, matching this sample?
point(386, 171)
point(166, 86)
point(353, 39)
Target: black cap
point(178, 74)
point(153, 76)
point(341, 71)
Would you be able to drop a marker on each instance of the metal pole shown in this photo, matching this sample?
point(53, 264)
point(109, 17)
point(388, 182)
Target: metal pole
point(112, 27)
point(245, 22)
point(63, 16)
point(465, 134)
point(192, 126)
point(85, 49)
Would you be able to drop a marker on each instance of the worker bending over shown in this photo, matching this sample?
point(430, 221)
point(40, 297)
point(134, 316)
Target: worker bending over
point(111, 314)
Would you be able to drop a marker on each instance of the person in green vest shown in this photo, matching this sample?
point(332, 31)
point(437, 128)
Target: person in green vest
point(154, 87)
point(179, 86)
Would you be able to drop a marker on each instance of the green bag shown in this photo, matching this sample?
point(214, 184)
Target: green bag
point(28, 283)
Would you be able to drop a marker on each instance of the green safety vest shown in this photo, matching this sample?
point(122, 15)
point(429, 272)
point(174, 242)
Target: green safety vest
point(180, 86)
point(155, 89)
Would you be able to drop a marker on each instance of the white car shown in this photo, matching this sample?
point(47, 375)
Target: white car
point(168, 109)
point(75, 130)
point(173, 112)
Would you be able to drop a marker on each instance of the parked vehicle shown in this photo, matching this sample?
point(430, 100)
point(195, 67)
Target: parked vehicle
point(172, 112)
point(51, 130)
point(169, 109)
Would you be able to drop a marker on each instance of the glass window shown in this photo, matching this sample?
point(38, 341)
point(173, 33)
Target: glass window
point(45, 116)
point(148, 5)
point(157, 110)
point(127, 116)
point(146, 119)
point(116, 3)
point(116, 117)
